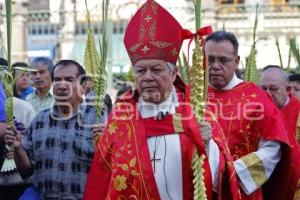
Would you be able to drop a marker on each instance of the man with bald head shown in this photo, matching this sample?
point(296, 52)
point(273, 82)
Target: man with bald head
point(275, 81)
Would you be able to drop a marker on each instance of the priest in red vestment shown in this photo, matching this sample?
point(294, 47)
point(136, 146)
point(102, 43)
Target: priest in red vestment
point(252, 126)
point(275, 81)
point(146, 149)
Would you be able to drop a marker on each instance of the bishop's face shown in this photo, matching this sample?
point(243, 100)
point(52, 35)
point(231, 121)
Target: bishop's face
point(154, 79)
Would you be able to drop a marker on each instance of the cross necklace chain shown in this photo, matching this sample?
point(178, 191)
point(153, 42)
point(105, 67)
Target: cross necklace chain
point(160, 116)
point(154, 159)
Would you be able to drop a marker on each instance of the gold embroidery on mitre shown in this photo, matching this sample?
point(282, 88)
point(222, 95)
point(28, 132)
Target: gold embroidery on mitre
point(145, 49)
point(174, 52)
point(142, 32)
point(135, 47)
point(256, 168)
point(154, 8)
point(148, 18)
point(152, 31)
point(144, 8)
point(160, 44)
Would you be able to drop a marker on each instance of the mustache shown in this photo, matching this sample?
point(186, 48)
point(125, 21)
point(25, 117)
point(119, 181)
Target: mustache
point(38, 82)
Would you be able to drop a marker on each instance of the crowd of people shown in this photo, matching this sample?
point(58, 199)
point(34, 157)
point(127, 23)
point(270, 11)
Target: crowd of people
point(144, 146)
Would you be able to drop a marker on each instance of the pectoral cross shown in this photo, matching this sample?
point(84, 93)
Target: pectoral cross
point(154, 159)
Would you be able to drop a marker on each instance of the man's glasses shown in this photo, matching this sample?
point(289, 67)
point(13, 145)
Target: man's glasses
point(222, 60)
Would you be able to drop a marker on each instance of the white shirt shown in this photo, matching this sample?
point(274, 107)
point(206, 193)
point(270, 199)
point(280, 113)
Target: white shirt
point(23, 111)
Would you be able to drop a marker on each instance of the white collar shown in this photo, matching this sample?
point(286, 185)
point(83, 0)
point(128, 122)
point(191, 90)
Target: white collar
point(287, 101)
point(167, 107)
point(234, 82)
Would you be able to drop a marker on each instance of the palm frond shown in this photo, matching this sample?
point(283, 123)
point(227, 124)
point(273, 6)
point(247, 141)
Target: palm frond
point(279, 51)
point(251, 72)
point(295, 52)
point(8, 80)
point(95, 61)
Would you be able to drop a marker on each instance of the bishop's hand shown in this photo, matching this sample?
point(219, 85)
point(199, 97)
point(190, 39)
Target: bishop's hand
point(97, 131)
point(205, 131)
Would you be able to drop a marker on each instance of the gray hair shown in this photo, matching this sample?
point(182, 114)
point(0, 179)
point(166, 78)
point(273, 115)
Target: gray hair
point(171, 67)
point(43, 61)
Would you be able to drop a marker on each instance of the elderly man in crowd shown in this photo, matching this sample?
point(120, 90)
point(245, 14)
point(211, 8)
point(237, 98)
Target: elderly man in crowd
point(275, 81)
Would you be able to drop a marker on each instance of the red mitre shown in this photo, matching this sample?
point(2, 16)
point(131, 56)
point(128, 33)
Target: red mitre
point(153, 33)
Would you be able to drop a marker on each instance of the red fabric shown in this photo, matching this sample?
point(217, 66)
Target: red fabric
point(201, 32)
point(246, 115)
point(122, 152)
point(291, 114)
point(153, 33)
point(228, 188)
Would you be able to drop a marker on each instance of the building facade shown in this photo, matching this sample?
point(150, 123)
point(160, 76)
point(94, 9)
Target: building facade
point(57, 28)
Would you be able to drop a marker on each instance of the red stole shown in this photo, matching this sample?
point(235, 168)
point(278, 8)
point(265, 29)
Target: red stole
point(246, 114)
point(122, 168)
point(228, 185)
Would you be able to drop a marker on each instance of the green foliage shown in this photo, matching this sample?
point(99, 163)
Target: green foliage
point(279, 52)
point(295, 52)
point(94, 61)
point(8, 78)
point(251, 72)
point(130, 76)
point(183, 66)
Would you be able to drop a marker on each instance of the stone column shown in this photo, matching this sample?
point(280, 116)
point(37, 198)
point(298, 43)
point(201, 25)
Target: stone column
point(67, 32)
point(19, 31)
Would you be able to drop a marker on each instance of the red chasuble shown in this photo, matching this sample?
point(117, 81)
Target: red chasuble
point(246, 115)
point(291, 113)
point(291, 118)
point(122, 168)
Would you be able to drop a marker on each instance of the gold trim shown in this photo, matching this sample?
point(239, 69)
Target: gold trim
point(142, 33)
point(161, 44)
point(148, 18)
point(297, 194)
point(256, 168)
point(144, 8)
point(174, 52)
point(135, 47)
point(154, 7)
point(152, 31)
point(145, 49)
point(298, 129)
point(177, 123)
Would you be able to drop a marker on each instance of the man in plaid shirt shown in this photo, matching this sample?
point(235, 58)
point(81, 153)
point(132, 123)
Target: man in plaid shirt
point(58, 146)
